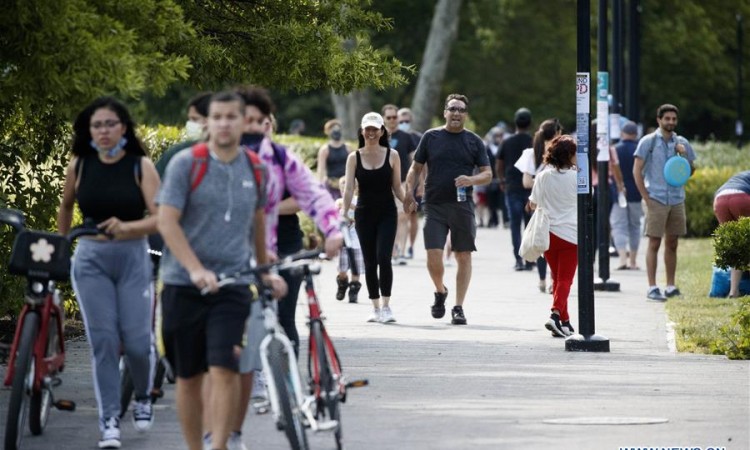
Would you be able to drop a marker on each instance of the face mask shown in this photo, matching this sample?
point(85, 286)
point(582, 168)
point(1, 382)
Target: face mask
point(405, 126)
point(193, 129)
point(336, 135)
point(112, 152)
point(251, 140)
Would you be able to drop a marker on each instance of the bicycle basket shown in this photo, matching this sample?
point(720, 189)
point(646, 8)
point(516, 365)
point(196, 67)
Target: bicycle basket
point(38, 254)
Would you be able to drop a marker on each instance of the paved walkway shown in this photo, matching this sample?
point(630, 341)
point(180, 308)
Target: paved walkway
point(499, 383)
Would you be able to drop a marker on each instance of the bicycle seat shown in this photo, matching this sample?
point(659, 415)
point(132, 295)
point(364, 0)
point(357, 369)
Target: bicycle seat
point(12, 217)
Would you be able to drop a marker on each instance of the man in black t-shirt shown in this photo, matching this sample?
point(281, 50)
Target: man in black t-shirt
point(452, 154)
point(405, 145)
point(511, 181)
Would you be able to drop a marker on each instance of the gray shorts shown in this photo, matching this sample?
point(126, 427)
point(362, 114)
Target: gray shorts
point(458, 218)
point(255, 332)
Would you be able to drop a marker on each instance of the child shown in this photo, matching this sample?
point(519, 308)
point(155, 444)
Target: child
point(344, 261)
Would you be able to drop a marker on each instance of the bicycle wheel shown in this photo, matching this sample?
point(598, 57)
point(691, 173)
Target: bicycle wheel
point(291, 416)
point(41, 399)
point(126, 388)
point(328, 389)
point(24, 369)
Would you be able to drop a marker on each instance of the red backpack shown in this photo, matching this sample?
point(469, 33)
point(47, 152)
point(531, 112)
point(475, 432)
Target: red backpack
point(200, 166)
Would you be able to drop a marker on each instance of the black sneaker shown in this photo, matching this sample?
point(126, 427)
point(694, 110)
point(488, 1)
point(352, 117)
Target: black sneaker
point(354, 288)
point(458, 315)
point(554, 325)
point(519, 266)
point(438, 308)
point(343, 284)
point(568, 328)
point(673, 293)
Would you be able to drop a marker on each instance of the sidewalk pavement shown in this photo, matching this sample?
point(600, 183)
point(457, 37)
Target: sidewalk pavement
point(501, 382)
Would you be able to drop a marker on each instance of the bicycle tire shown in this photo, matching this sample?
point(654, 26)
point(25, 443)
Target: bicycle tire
point(18, 404)
point(41, 399)
point(331, 403)
point(290, 411)
point(126, 389)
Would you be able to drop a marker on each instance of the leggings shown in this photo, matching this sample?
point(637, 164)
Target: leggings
point(377, 233)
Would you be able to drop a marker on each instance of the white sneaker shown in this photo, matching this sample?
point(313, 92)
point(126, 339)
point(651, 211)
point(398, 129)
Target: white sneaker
point(386, 315)
point(259, 385)
point(110, 433)
point(207, 441)
point(374, 316)
point(235, 441)
point(143, 415)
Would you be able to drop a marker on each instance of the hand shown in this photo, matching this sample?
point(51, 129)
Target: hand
point(276, 283)
point(333, 244)
point(420, 191)
point(409, 204)
point(204, 279)
point(114, 227)
point(271, 256)
point(463, 180)
point(680, 149)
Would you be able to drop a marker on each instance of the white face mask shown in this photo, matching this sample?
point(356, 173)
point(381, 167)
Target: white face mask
point(193, 129)
point(404, 126)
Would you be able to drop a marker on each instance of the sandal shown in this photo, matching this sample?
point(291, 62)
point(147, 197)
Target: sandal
point(623, 267)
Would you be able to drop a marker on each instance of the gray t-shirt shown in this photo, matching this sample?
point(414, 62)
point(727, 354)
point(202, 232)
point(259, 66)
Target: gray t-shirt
point(449, 155)
point(217, 217)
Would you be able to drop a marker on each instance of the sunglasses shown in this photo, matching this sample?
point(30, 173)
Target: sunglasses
point(456, 109)
point(390, 117)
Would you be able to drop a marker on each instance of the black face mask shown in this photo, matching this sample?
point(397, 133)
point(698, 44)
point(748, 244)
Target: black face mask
point(252, 140)
point(336, 135)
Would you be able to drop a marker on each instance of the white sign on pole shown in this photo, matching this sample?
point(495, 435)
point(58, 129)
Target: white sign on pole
point(583, 108)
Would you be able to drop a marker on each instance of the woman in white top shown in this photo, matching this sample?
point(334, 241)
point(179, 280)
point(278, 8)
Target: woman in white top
point(530, 164)
point(554, 192)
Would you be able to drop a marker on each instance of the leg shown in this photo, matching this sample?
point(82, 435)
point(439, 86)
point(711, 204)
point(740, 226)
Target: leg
point(516, 214)
point(670, 257)
point(436, 269)
point(366, 230)
point(386, 235)
point(402, 233)
point(190, 410)
point(225, 387)
point(463, 276)
point(620, 224)
point(246, 390)
point(651, 254)
point(734, 284)
point(635, 212)
point(413, 228)
point(567, 265)
point(288, 308)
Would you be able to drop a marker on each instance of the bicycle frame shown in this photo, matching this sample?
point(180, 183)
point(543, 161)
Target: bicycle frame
point(44, 304)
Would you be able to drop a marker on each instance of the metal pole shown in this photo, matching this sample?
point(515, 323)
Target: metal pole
point(738, 126)
point(586, 340)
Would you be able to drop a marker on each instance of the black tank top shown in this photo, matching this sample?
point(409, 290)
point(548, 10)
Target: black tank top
point(110, 190)
point(375, 185)
point(336, 161)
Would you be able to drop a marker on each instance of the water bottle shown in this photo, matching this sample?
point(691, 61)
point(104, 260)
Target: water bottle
point(621, 200)
point(461, 193)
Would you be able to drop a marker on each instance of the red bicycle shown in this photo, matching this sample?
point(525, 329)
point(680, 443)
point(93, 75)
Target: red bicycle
point(37, 354)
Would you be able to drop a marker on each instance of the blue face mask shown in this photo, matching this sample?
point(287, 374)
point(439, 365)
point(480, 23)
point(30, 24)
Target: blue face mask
point(112, 152)
point(336, 135)
point(406, 126)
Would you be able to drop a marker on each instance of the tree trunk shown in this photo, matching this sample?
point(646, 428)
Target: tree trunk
point(443, 32)
point(349, 110)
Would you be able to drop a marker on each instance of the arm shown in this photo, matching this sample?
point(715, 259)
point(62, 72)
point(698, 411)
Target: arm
point(322, 157)
point(411, 178)
point(483, 177)
point(138, 228)
point(168, 222)
point(288, 206)
point(396, 187)
point(351, 166)
point(528, 181)
point(65, 213)
point(500, 171)
point(638, 164)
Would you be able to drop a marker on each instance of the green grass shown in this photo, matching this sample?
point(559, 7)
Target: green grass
point(698, 318)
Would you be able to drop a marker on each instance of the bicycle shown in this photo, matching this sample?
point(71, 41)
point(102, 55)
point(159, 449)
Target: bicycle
point(37, 354)
point(292, 410)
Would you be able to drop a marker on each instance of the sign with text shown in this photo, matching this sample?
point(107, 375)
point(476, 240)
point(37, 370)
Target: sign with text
point(583, 99)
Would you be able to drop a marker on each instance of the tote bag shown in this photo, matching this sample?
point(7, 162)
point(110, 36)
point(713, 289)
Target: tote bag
point(535, 240)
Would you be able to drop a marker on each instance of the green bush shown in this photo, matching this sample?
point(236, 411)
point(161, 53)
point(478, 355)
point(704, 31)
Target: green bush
point(737, 333)
point(732, 244)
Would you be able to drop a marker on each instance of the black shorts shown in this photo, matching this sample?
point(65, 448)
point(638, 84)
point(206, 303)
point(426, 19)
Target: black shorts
point(202, 331)
point(458, 218)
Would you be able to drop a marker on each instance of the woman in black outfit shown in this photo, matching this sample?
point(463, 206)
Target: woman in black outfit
point(377, 170)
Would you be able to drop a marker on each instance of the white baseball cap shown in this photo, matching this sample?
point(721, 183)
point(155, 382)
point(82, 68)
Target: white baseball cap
point(372, 119)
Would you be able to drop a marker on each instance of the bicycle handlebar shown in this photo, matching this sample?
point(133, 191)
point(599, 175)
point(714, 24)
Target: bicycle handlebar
point(287, 263)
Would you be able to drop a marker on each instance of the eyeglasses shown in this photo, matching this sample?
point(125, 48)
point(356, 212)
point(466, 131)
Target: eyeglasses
point(106, 123)
point(390, 117)
point(456, 109)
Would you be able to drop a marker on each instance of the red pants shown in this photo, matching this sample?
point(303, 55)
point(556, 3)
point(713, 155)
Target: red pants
point(562, 258)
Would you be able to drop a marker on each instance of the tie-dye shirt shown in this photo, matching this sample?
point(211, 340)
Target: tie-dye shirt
point(296, 177)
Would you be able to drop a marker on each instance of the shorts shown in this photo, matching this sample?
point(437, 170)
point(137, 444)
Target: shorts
point(481, 198)
point(202, 331)
point(255, 332)
point(731, 207)
point(458, 218)
point(663, 219)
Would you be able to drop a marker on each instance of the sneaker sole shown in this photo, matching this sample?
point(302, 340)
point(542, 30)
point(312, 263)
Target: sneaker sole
point(550, 325)
point(110, 443)
point(458, 322)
